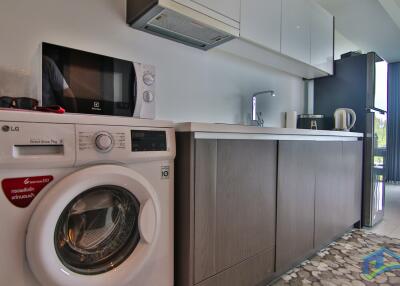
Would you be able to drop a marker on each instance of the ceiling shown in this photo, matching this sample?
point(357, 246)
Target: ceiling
point(372, 25)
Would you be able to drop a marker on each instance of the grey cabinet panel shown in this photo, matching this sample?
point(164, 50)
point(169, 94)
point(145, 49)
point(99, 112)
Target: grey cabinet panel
point(352, 178)
point(260, 22)
point(295, 202)
point(234, 204)
point(251, 272)
point(329, 192)
point(322, 34)
point(338, 189)
point(205, 209)
point(228, 8)
point(183, 211)
point(295, 41)
point(227, 197)
point(246, 200)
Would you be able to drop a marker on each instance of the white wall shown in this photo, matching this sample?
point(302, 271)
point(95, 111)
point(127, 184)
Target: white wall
point(343, 45)
point(192, 85)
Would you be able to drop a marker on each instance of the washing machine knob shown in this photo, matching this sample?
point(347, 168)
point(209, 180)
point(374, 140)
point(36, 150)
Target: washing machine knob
point(104, 141)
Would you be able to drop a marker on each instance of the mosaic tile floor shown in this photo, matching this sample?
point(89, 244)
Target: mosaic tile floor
point(341, 263)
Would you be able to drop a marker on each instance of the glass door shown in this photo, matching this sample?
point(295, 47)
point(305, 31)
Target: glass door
point(98, 230)
point(381, 75)
point(378, 167)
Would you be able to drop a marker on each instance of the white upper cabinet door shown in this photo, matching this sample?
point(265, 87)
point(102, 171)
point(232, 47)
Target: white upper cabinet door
point(322, 29)
point(260, 22)
point(296, 29)
point(228, 8)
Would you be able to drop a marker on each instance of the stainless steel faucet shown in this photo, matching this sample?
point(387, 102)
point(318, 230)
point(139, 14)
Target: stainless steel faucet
point(256, 117)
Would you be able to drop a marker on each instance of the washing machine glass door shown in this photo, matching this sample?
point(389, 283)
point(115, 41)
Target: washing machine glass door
point(98, 229)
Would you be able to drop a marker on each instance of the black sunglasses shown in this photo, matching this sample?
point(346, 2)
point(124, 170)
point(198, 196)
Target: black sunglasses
point(18, 102)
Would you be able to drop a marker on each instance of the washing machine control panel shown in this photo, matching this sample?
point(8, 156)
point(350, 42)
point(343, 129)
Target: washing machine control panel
point(100, 140)
point(148, 140)
point(121, 143)
point(54, 145)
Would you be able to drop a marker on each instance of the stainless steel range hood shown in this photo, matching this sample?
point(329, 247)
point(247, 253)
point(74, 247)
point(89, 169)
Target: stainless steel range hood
point(172, 20)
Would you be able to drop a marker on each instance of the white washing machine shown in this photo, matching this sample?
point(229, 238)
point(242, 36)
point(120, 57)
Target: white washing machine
point(86, 200)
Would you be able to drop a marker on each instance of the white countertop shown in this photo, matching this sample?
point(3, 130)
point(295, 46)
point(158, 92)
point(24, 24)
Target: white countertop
point(236, 131)
point(201, 130)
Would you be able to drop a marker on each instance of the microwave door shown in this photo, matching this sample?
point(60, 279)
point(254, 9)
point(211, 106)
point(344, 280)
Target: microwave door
point(96, 84)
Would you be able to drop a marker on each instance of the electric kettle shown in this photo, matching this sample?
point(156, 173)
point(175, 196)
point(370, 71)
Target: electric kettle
point(345, 118)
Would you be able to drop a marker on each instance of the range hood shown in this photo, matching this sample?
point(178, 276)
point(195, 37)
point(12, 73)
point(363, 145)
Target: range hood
point(175, 21)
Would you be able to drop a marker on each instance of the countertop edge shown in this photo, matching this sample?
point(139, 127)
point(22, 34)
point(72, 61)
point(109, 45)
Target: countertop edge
point(242, 129)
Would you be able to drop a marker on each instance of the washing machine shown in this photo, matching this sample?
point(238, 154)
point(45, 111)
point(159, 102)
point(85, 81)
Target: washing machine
point(86, 200)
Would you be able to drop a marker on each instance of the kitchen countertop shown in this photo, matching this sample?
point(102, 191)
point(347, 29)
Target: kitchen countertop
point(236, 131)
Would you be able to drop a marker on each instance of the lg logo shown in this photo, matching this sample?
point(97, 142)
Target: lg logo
point(6, 128)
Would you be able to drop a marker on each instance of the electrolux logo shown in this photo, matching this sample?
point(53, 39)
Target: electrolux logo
point(7, 128)
point(96, 106)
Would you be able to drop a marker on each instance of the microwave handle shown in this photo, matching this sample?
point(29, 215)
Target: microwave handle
point(136, 103)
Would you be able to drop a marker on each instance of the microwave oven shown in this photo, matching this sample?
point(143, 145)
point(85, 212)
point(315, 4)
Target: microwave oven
point(84, 82)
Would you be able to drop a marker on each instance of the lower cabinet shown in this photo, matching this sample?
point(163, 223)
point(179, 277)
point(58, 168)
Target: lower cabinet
point(247, 210)
point(318, 196)
point(232, 215)
point(329, 195)
point(295, 202)
point(352, 179)
point(245, 200)
point(338, 189)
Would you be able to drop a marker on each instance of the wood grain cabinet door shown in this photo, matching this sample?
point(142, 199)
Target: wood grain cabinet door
point(295, 202)
point(234, 216)
point(329, 194)
point(352, 179)
point(245, 201)
point(205, 209)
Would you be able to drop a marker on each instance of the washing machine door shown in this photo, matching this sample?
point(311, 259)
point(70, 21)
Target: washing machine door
point(97, 226)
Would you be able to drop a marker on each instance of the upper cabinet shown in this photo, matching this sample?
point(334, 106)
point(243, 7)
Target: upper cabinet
point(307, 33)
point(225, 11)
point(295, 36)
point(296, 29)
point(322, 33)
point(228, 8)
point(260, 22)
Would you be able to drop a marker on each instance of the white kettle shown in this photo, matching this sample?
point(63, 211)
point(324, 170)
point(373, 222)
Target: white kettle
point(345, 118)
